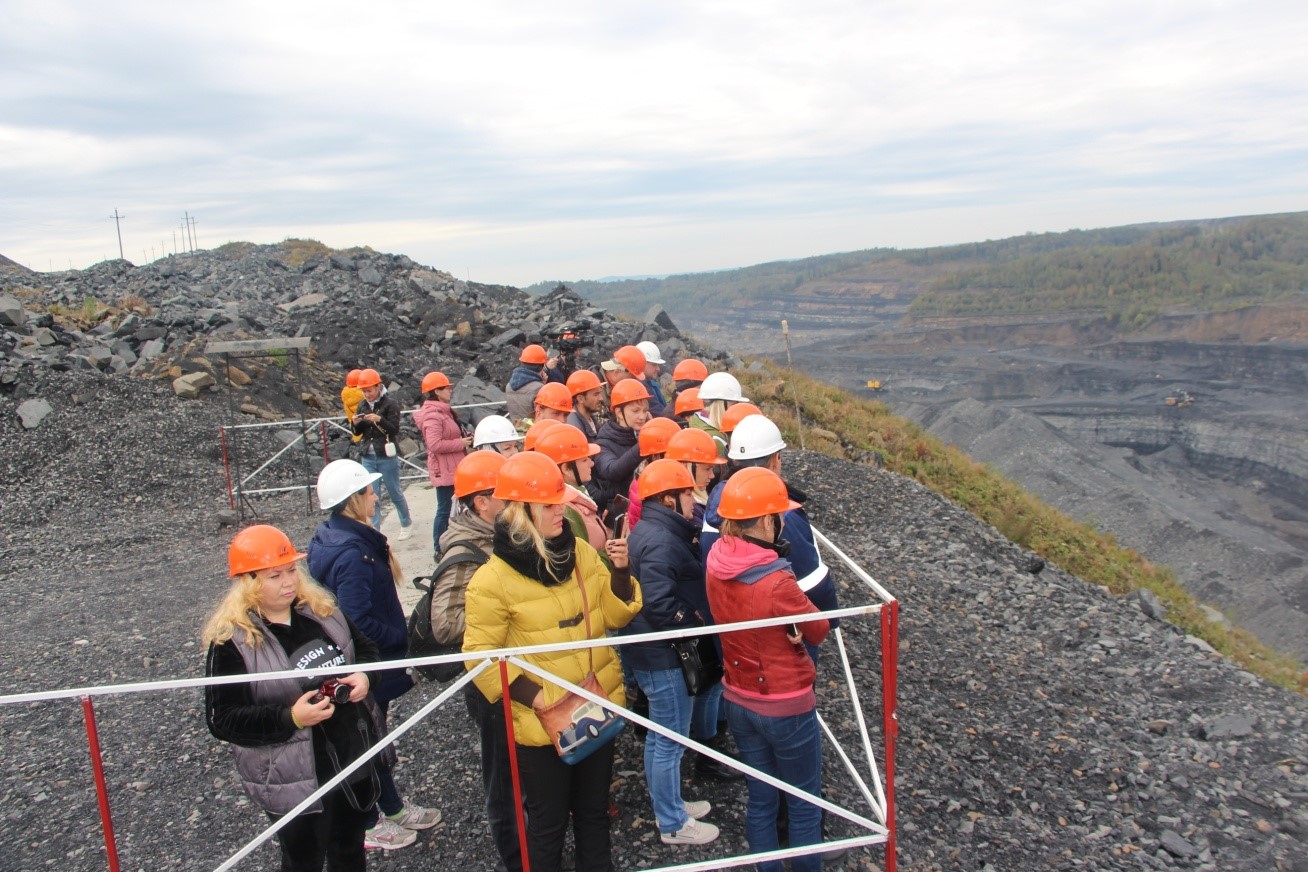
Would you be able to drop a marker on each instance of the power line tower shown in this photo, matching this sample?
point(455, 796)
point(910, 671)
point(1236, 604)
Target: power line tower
point(118, 225)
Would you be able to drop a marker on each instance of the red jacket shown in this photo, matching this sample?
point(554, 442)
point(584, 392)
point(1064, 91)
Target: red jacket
point(444, 441)
point(764, 671)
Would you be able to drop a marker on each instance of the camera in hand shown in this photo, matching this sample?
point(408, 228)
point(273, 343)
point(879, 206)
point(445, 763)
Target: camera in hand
point(570, 340)
point(333, 690)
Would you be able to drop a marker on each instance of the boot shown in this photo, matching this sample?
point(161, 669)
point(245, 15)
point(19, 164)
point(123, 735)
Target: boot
point(707, 767)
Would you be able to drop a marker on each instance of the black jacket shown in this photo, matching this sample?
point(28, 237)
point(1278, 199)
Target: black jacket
point(665, 560)
point(376, 435)
point(615, 465)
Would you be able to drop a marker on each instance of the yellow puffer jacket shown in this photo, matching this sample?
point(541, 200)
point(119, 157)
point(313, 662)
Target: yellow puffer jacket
point(506, 609)
point(350, 399)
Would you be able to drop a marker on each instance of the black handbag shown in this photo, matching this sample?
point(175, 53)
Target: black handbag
point(701, 665)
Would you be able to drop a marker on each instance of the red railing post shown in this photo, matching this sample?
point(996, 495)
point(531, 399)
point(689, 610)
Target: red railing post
point(322, 437)
point(101, 789)
point(227, 466)
point(513, 765)
point(890, 725)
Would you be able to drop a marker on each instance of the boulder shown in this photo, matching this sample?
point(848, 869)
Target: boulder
point(370, 276)
point(32, 412)
point(238, 377)
point(44, 336)
point(12, 313)
point(657, 315)
point(192, 385)
point(303, 303)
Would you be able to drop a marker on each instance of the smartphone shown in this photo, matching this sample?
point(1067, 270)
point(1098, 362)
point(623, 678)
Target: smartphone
point(619, 526)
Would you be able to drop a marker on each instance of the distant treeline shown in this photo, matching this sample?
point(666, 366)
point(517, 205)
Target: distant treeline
point(1203, 266)
point(1128, 273)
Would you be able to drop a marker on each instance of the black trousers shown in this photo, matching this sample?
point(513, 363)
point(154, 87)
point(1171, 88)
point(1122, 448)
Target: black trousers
point(496, 778)
point(335, 834)
point(553, 790)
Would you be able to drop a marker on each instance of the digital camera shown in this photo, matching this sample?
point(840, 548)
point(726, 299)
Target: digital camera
point(333, 690)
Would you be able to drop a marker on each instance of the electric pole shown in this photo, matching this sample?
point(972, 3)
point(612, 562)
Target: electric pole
point(117, 219)
point(194, 243)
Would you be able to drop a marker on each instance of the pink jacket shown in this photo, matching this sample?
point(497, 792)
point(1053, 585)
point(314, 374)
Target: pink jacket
point(440, 431)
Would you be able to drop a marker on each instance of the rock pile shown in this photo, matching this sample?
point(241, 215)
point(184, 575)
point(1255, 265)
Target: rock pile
point(360, 308)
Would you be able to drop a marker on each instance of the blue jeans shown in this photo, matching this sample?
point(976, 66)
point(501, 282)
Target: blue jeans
point(704, 718)
point(790, 749)
point(669, 706)
point(444, 500)
point(389, 467)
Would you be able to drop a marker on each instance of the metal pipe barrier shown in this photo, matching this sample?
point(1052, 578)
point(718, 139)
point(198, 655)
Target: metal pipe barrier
point(880, 797)
point(303, 428)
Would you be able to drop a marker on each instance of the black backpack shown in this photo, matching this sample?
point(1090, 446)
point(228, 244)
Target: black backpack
point(421, 641)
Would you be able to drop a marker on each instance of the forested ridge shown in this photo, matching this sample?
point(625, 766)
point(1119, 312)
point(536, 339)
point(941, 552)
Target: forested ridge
point(1130, 273)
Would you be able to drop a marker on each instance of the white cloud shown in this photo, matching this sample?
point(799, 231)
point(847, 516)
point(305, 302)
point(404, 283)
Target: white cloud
point(641, 137)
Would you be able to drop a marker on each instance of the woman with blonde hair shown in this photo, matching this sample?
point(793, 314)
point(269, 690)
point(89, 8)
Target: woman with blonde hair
point(284, 733)
point(353, 560)
point(545, 585)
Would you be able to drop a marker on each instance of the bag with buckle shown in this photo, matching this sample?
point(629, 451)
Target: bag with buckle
point(701, 665)
point(422, 640)
point(577, 726)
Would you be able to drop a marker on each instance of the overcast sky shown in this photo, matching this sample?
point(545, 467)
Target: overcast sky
point(517, 142)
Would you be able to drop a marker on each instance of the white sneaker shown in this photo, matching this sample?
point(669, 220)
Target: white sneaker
point(387, 835)
point(405, 533)
point(697, 809)
point(415, 817)
point(693, 833)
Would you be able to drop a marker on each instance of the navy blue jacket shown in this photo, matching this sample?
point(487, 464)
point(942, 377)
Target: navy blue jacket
point(616, 464)
point(813, 575)
point(666, 563)
point(352, 560)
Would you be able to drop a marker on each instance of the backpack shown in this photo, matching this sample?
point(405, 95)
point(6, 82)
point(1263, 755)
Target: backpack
point(422, 643)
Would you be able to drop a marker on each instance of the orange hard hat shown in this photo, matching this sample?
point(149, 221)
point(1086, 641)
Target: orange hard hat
point(433, 381)
point(632, 358)
point(566, 443)
point(531, 477)
point(693, 446)
point(654, 436)
point(554, 396)
point(737, 413)
point(581, 381)
point(535, 431)
point(754, 492)
point(352, 379)
point(477, 472)
point(687, 401)
point(534, 354)
point(690, 369)
point(261, 546)
point(368, 378)
point(629, 390)
point(662, 476)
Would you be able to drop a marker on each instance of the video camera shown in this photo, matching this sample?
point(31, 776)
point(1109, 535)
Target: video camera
point(573, 337)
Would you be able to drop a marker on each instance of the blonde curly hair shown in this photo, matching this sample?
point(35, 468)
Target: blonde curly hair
point(242, 599)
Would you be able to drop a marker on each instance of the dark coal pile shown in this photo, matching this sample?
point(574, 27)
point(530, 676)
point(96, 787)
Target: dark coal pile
point(1044, 724)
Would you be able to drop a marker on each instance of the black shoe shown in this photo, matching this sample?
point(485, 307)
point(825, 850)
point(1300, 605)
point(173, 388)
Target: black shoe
point(707, 767)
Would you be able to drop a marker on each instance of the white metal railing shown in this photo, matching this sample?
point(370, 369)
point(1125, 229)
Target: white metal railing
point(879, 797)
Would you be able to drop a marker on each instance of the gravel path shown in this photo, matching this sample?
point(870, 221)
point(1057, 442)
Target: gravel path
point(1044, 724)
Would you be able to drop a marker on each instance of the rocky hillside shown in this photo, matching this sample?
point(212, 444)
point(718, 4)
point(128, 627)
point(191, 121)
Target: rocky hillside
point(1044, 723)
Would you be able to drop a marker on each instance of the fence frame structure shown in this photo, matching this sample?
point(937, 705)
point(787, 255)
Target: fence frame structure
point(237, 492)
point(880, 797)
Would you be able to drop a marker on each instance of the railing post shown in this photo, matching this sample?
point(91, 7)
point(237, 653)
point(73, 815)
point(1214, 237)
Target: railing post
point(889, 681)
point(227, 467)
point(513, 764)
point(322, 437)
point(101, 790)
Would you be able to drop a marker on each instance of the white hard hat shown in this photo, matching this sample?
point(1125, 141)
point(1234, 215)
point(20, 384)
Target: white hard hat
point(340, 480)
point(721, 386)
point(493, 429)
point(651, 352)
point(755, 436)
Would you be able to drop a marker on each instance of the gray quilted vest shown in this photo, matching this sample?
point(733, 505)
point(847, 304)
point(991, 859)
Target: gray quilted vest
point(279, 777)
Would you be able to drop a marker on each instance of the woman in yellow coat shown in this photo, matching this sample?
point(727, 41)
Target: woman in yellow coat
point(529, 594)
